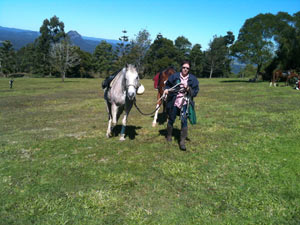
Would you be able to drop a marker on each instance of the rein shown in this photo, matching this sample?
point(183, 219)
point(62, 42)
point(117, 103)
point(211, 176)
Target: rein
point(145, 114)
point(162, 97)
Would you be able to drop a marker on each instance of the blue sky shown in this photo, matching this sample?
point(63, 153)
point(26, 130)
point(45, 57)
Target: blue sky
point(197, 20)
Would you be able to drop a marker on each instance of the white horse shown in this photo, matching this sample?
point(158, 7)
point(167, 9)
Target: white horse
point(120, 95)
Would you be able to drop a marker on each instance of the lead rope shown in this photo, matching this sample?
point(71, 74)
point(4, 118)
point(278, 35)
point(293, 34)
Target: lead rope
point(162, 97)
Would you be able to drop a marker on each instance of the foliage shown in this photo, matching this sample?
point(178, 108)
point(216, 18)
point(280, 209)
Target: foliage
point(266, 41)
point(57, 166)
point(25, 58)
point(287, 35)
point(85, 67)
point(63, 56)
point(255, 41)
point(51, 33)
point(104, 59)
point(217, 60)
point(162, 54)
point(7, 58)
point(122, 50)
point(183, 45)
point(138, 49)
point(196, 58)
point(248, 71)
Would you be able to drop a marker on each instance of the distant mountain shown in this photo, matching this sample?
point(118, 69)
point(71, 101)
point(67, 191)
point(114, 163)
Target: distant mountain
point(101, 39)
point(20, 38)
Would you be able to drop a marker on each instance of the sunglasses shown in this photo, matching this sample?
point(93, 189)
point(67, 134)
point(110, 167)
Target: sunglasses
point(185, 68)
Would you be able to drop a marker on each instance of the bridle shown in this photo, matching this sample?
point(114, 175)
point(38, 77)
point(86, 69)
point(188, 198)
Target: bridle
point(136, 86)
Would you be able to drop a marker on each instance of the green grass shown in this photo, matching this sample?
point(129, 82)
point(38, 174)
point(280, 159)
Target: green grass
point(57, 167)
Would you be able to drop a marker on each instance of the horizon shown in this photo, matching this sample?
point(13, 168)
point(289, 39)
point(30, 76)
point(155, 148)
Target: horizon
point(198, 21)
point(16, 28)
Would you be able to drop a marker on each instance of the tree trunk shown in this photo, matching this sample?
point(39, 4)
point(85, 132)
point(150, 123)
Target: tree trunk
point(211, 72)
point(63, 76)
point(257, 71)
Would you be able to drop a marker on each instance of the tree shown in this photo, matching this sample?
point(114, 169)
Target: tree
point(255, 44)
point(217, 58)
point(183, 45)
point(104, 58)
point(63, 57)
point(25, 59)
point(7, 58)
point(161, 54)
point(138, 49)
point(287, 35)
point(51, 33)
point(196, 60)
point(85, 67)
point(122, 50)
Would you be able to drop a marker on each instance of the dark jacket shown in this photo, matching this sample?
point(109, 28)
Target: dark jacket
point(175, 79)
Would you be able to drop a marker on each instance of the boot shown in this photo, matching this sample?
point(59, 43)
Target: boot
point(169, 133)
point(183, 135)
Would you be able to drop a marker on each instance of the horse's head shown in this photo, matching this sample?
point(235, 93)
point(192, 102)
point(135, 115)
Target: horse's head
point(132, 82)
point(164, 77)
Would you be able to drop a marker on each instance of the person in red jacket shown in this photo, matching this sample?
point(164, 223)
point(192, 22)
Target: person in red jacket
point(156, 79)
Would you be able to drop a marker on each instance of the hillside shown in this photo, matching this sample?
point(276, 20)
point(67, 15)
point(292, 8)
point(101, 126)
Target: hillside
point(20, 38)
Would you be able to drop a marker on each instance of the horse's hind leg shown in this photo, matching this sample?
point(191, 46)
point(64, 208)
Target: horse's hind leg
point(157, 109)
point(155, 115)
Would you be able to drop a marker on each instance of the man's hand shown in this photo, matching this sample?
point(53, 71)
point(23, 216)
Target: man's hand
point(186, 87)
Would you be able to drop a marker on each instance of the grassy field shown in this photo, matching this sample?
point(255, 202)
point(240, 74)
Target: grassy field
point(57, 167)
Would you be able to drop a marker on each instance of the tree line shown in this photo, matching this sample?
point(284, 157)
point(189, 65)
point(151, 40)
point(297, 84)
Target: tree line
point(265, 42)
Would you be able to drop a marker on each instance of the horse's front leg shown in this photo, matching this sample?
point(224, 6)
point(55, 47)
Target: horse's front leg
point(124, 121)
point(113, 118)
point(108, 132)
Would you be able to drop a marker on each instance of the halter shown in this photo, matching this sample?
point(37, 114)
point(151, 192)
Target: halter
point(128, 85)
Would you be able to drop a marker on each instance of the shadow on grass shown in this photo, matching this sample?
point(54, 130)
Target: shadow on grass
point(240, 81)
point(162, 118)
point(7, 90)
point(130, 131)
point(175, 134)
point(66, 81)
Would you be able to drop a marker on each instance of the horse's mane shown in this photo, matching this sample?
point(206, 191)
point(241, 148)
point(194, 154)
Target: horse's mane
point(169, 68)
point(131, 68)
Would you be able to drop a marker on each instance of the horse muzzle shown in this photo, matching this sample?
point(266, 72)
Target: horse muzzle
point(131, 92)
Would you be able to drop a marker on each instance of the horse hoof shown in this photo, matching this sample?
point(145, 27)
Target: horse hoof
point(153, 124)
